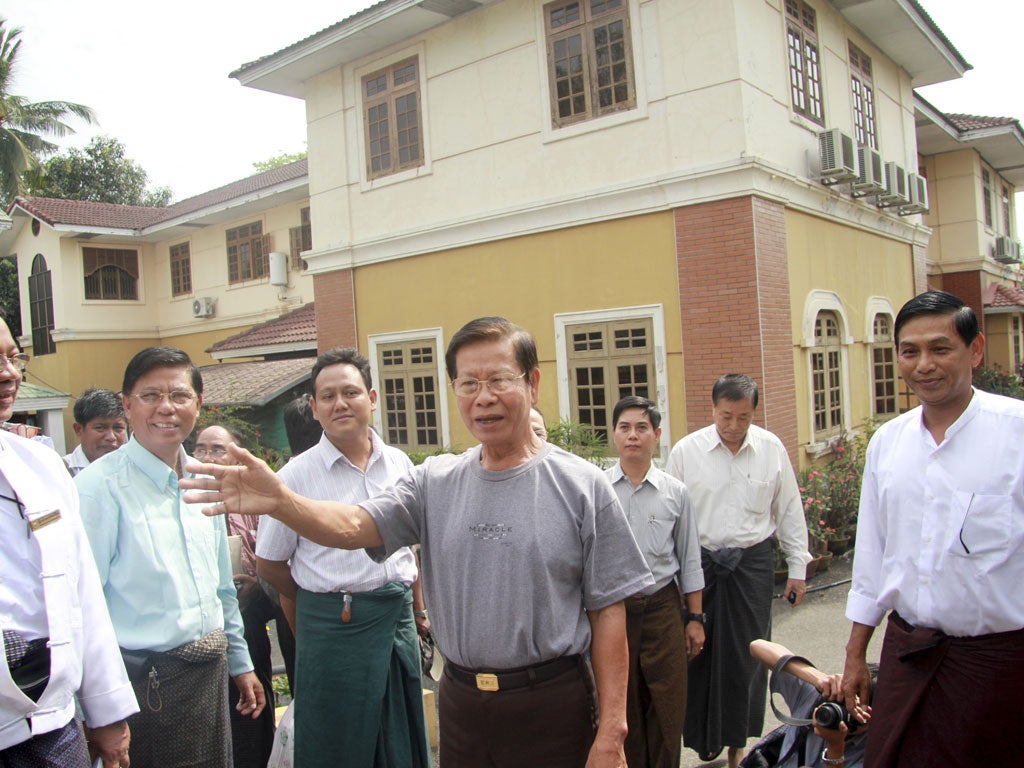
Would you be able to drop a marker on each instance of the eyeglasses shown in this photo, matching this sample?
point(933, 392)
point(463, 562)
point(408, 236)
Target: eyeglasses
point(216, 452)
point(497, 385)
point(177, 397)
point(17, 361)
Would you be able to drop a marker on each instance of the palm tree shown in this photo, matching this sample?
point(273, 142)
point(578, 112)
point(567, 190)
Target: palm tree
point(23, 125)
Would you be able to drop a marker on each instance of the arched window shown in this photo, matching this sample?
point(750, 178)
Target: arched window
point(883, 368)
point(40, 300)
point(827, 375)
point(111, 273)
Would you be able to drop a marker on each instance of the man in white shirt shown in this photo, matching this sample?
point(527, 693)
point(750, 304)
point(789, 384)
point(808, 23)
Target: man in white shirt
point(100, 425)
point(664, 622)
point(744, 491)
point(940, 546)
point(58, 641)
point(358, 676)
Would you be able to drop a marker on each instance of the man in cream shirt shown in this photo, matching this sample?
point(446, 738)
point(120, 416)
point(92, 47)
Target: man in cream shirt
point(744, 491)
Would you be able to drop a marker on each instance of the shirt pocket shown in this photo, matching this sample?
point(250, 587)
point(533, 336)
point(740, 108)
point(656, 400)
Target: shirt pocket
point(983, 534)
point(660, 539)
point(759, 496)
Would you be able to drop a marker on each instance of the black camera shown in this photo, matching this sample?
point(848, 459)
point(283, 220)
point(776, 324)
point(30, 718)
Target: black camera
point(831, 714)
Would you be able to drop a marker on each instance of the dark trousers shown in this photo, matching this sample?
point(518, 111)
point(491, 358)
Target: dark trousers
point(252, 740)
point(656, 703)
point(550, 724)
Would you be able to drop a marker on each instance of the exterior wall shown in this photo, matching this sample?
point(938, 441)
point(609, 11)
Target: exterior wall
point(712, 92)
point(79, 365)
point(621, 263)
point(335, 310)
point(156, 313)
point(734, 298)
point(861, 269)
point(968, 286)
point(999, 341)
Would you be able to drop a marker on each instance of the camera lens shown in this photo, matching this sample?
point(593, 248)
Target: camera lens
point(830, 715)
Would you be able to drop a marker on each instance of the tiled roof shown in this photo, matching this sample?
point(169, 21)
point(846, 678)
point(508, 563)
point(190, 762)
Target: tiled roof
point(253, 383)
point(84, 213)
point(998, 295)
point(977, 122)
point(294, 327)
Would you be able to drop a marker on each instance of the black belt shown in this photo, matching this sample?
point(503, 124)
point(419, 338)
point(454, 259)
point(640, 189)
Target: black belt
point(511, 679)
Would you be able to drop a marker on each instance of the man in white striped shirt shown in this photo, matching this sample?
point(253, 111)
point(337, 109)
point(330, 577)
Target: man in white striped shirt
point(356, 640)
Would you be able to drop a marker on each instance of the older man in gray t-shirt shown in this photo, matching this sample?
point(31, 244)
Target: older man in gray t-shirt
point(527, 559)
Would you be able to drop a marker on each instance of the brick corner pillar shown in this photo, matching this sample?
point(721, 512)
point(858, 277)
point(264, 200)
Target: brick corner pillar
point(334, 293)
point(967, 286)
point(735, 308)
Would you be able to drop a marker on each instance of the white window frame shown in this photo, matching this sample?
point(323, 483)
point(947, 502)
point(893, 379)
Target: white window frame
point(827, 301)
point(436, 335)
point(653, 312)
point(879, 305)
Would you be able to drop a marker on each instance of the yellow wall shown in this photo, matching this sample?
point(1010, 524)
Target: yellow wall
point(529, 279)
point(999, 341)
point(856, 265)
point(80, 365)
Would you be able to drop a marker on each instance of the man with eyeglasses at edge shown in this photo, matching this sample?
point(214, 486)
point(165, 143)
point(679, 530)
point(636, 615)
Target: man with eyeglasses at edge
point(57, 636)
point(527, 558)
point(166, 574)
point(100, 426)
point(252, 740)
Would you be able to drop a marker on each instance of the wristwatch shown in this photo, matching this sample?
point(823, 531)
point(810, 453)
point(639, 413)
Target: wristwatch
point(699, 617)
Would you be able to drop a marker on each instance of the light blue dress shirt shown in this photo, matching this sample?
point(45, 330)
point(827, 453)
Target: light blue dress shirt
point(165, 567)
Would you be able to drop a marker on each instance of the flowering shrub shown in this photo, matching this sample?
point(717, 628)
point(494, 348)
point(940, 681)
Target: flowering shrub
point(831, 492)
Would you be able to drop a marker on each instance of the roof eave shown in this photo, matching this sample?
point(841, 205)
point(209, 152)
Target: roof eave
point(373, 29)
point(905, 33)
point(263, 350)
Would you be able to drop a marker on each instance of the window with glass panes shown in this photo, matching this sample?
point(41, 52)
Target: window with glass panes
point(248, 254)
point(986, 196)
point(111, 273)
point(590, 59)
point(606, 362)
point(804, 60)
point(409, 397)
point(181, 269)
point(883, 368)
point(392, 119)
point(826, 376)
point(300, 239)
point(863, 92)
point(40, 297)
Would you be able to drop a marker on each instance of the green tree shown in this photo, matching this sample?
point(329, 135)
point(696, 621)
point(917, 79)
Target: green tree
point(100, 173)
point(278, 160)
point(24, 124)
point(10, 303)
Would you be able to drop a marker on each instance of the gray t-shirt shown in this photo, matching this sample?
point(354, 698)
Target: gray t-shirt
point(512, 558)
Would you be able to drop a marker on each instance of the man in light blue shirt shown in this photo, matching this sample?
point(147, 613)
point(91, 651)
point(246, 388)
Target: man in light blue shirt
point(166, 574)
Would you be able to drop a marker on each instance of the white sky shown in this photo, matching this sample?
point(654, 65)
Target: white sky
point(157, 74)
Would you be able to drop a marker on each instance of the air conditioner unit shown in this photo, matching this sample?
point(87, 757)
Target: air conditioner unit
point(1006, 251)
point(895, 187)
point(918, 187)
point(837, 157)
point(204, 306)
point(871, 177)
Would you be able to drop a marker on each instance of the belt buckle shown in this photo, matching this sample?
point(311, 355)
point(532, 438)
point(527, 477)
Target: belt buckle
point(485, 681)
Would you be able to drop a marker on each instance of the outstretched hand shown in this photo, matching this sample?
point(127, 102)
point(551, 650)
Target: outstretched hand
point(249, 487)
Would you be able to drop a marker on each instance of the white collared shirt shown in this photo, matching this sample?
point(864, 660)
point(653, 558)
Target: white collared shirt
point(76, 461)
point(940, 533)
point(324, 473)
point(743, 498)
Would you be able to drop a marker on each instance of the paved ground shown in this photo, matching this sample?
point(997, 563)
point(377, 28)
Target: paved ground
point(817, 629)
